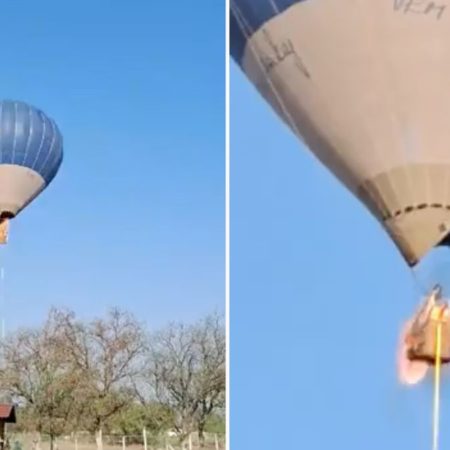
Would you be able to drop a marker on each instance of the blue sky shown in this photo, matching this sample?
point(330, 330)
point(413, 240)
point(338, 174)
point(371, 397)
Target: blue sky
point(318, 293)
point(135, 218)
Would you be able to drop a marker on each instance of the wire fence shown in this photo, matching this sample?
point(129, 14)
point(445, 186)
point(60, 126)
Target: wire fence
point(144, 441)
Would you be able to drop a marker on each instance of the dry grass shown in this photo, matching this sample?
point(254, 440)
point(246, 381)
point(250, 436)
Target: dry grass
point(25, 442)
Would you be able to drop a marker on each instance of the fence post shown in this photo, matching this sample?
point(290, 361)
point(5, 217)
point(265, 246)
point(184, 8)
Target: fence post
point(190, 441)
point(216, 441)
point(76, 442)
point(124, 442)
point(144, 434)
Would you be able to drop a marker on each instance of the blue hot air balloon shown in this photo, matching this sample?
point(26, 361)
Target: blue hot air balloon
point(31, 152)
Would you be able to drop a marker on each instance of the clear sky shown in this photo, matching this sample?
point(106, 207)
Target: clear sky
point(135, 217)
point(318, 293)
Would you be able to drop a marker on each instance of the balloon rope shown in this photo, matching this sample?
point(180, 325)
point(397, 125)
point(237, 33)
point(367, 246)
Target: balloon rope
point(437, 382)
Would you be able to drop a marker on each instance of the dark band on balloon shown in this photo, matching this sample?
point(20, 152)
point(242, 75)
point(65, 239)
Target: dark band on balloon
point(413, 208)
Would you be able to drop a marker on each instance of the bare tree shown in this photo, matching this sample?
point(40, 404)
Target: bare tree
point(70, 375)
point(187, 370)
point(36, 371)
point(107, 352)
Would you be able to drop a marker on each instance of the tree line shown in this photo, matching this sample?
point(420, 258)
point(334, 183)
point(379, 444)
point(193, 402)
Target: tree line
point(112, 375)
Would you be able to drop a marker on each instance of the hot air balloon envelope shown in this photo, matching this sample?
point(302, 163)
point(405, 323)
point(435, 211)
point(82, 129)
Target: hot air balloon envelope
point(366, 85)
point(31, 152)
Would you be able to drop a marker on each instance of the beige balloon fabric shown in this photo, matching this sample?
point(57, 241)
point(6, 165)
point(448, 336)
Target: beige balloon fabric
point(366, 85)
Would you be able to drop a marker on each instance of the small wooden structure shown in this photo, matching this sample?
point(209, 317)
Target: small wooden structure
point(7, 415)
